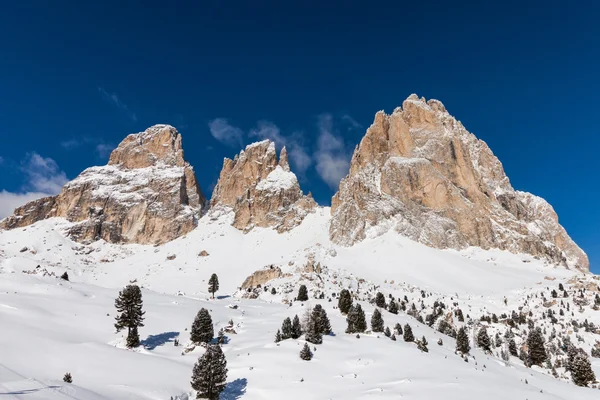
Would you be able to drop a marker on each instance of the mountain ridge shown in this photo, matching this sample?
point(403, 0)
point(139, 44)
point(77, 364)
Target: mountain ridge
point(416, 171)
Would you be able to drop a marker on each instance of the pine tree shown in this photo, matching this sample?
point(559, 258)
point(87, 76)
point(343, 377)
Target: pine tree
point(561, 287)
point(393, 337)
point(408, 334)
point(296, 328)
point(305, 353)
point(344, 301)
point(64, 277)
point(202, 329)
point(393, 307)
point(387, 331)
point(302, 293)
point(356, 319)
point(273, 291)
point(422, 345)
point(68, 378)
point(512, 348)
point(278, 336)
point(313, 332)
point(210, 373)
point(459, 315)
point(377, 321)
point(536, 350)
point(483, 340)
point(323, 323)
point(129, 305)
point(213, 285)
point(581, 370)
point(398, 328)
point(462, 341)
point(286, 329)
point(380, 300)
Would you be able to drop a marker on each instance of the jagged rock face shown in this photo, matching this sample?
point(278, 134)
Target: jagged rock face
point(147, 194)
point(420, 172)
point(261, 190)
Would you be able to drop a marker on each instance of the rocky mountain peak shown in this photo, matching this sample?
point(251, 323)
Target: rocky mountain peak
point(420, 172)
point(159, 143)
point(146, 194)
point(261, 190)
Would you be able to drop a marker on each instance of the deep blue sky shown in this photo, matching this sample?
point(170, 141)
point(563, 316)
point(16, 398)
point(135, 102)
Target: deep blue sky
point(76, 77)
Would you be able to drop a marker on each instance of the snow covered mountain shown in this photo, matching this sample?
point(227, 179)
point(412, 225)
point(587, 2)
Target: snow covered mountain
point(143, 219)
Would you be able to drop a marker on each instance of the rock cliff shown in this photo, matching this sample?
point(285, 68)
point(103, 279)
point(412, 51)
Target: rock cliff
point(147, 194)
point(420, 172)
point(261, 190)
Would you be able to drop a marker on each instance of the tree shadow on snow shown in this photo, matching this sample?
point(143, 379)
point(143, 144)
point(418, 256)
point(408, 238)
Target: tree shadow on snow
point(226, 296)
point(153, 341)
point(235, 390)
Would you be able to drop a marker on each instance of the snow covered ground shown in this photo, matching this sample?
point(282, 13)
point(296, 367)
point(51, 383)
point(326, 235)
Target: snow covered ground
point(50, 326)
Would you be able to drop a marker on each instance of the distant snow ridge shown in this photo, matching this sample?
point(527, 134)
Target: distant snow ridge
point(420, 172)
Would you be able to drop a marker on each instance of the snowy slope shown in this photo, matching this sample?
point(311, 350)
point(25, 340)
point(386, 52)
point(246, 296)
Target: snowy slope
point(51, 326)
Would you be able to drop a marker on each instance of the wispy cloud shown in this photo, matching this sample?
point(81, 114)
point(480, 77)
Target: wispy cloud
point(101, 148)
point(42, 178)
point(350, 122)
point(104, 149)
point(114, 99)
point(331, 157)
point(43, 174)
point(226, 133)
point(297, 152)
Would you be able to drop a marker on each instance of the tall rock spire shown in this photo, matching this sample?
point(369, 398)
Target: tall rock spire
point(261, 190)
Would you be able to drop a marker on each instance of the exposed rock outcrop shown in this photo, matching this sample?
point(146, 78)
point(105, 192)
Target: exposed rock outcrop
point(261, 190)
point(261, 277)
point(420, 172)
point(146, 194)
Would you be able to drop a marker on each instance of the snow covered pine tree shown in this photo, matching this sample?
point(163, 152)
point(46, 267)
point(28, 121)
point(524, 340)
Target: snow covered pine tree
point(210, 373)
point(129, 305)
point(213, 285)
point(202, 328)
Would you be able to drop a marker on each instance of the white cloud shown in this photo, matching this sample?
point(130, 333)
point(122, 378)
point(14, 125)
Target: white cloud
point(43, 178)
point(332, 158)
point(221, 130)
point(70, 144)
point(114, 99)
point(43, 174)
point(9, 201)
